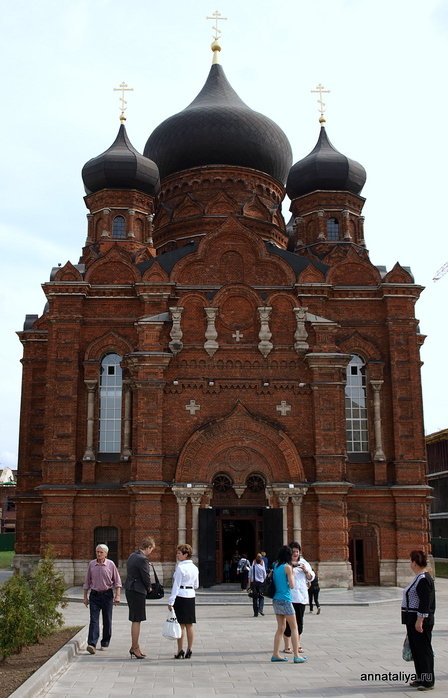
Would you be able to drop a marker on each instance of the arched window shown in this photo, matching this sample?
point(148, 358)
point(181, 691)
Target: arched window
point(119, 228)
point(356, 407)
point(332, 229)
point(111, 383)
point(222, 483)
point(255, 483)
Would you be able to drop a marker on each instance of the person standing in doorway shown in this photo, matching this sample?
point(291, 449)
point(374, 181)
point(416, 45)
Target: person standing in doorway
point(103, 581)
point(243, 571)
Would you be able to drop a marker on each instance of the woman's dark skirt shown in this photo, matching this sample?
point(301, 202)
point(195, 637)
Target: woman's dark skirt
point(185, 610)
point(136, 603)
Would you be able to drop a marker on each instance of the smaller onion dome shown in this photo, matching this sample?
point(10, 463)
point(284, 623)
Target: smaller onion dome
point(121, 167)
point(325, 168)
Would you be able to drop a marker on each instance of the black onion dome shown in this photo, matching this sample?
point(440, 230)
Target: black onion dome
point(325, 168)
point(121, 167)
point(218, 128)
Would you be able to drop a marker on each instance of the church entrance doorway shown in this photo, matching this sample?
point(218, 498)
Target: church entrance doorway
point(239, 532)
point(363, 555)
point(226, 533)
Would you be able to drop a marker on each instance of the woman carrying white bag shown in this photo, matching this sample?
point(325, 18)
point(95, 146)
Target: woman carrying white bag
point(182, 598)
point(171, 628)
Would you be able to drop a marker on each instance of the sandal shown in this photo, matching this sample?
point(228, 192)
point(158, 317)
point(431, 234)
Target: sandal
point(287, 651)
point(300, 650)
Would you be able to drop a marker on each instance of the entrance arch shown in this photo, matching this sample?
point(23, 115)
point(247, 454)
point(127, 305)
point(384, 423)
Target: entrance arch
point(243, 449)
point(241, 442)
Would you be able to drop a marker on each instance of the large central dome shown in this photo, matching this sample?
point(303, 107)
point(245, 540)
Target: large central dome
point(218, 128)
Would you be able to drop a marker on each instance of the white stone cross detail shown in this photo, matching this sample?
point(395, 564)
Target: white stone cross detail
point(283, 408)
point(237, 335)
point(192, 407)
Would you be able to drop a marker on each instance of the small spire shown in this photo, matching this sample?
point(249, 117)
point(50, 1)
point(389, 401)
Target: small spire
point(216, 47)
point(320, 90)
point(123, 88)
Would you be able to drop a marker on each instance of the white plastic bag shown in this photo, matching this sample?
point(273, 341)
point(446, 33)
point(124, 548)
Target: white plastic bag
point(171, 628)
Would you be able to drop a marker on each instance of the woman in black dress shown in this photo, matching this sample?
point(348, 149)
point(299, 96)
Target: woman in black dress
point(138, 582)
point(417, 613)
point(182, 598)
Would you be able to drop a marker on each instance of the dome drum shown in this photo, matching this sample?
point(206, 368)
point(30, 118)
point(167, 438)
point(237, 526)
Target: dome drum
point(195, 202)
point(328, 216)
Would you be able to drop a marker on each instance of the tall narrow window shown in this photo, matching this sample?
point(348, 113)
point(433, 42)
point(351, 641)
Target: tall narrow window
point(356, 407)
point(119, 228)
point(332, 229)
point(110, 404)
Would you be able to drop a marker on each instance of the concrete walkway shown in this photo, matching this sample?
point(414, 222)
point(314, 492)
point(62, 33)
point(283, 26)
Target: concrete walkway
point(354, 649)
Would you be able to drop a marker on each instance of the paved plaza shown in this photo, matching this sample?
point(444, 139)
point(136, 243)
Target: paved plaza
point(357, 635)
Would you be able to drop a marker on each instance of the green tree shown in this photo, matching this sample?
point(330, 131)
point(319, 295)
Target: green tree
point(47, 591)
point(17, 621)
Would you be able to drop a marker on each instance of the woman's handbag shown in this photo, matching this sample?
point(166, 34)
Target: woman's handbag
point(268, 586)
point(156, 591)
point(171, 628)
point(406, 651)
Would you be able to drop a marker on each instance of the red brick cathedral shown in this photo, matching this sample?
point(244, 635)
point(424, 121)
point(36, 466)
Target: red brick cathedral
point(208, 374)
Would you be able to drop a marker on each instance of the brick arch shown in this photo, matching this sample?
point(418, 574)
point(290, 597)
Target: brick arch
point(268, 450)
point(115, 267)
point(364, 347)
point(108, 343)
point(68, 273)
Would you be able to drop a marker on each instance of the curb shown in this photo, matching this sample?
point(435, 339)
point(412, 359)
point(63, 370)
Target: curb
point(48, 672)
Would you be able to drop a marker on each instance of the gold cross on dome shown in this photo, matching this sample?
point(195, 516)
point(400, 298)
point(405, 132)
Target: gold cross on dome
point(217, 17)
point(123, 88)
point(320, 90)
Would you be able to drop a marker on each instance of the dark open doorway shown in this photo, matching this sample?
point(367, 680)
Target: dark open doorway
point(238, 538)
point(363, 555)
point(225, 533)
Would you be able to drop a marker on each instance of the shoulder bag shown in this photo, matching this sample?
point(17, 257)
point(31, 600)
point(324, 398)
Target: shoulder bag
point(156, 591)
point(268, 586)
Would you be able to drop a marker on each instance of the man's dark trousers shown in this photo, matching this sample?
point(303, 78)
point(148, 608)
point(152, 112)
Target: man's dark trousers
point(100, 601)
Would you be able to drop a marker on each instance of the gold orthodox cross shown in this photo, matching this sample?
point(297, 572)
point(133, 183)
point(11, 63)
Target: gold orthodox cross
point(123, 88)
point(217, 17)
point(320, 90)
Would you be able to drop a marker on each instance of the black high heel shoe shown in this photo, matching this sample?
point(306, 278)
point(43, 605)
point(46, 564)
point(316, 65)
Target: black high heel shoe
point(188, 654)
point(137, 656)
point(179, 655)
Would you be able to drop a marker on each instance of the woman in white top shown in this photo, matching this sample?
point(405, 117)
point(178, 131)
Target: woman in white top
point(257, 575)
point(303, 574)
point(182, 598)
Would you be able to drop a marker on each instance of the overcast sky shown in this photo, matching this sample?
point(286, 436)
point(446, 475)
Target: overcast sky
point(384, 61)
